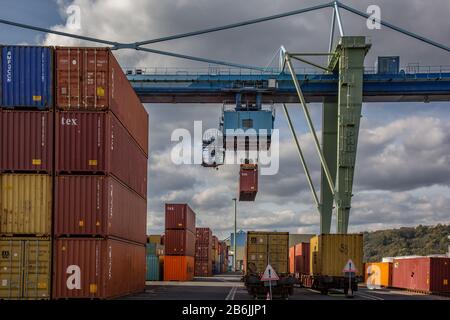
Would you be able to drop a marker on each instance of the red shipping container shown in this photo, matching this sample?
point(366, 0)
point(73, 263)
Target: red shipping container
point(26, 141)
point(202, 252)
point(179, 242)
point(180, 216)
point(302, 258)
point(97, 268)
point(215, 244)
point(178, 268)
point(96, 142)
point(99, 205)
point(92, 79)
point(425, 274)
point(202, 268)
point(203, 236)
point(248, 182)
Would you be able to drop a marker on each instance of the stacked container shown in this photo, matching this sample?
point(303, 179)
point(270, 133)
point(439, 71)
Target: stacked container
point(101, 132)
point(179, 243)
point(203, 250)
point(154, 261)
point(26, 164)
point(215, 255)
point(223, 256)
point(299, 259)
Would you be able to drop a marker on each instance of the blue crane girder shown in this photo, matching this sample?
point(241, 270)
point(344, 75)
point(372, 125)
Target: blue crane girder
point(216, 88)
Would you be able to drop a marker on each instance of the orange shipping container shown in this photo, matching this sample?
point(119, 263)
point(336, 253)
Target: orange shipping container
point(378, 274)
point(292, 259)
point(178, 268)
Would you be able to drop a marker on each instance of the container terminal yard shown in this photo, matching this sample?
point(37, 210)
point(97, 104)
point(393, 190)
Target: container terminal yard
point(89, 209)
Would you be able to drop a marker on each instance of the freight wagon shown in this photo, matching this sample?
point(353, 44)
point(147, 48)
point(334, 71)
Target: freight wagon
point(265, 248)
point(329, 254)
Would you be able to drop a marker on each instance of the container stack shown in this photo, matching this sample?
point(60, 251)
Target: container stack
point(26, 164)
point(154, 260)
point(101, 133)
point(179, 242)
point(203, 249)
point(223, 253)
point(215, 255)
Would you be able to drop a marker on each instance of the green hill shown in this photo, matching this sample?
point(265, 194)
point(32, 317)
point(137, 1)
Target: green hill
point(421, 240)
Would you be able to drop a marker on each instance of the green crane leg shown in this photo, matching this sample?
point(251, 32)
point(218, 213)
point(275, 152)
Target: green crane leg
point(352, 51)
point(329, 147)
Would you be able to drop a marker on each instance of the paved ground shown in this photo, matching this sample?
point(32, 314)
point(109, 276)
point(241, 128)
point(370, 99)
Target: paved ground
point(229, 287)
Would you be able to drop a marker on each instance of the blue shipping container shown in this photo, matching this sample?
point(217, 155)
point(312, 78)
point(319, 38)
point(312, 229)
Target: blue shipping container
point(152, 273)
point(26, 77)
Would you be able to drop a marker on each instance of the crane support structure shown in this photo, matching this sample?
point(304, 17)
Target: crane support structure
point(349, 62)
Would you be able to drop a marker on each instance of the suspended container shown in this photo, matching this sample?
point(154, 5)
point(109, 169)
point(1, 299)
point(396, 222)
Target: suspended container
point(25, 265)
point(248, 182)
point(92, 79)
point(26, 141)
point(25, 204)
point(26, 77)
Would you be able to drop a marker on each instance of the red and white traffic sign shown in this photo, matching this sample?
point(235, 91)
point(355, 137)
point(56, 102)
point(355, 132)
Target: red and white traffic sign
point(350, 266)
point(269, 274)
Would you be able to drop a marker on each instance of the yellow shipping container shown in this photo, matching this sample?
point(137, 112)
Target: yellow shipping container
point(154, 238)
point(378, 274)
point(331, 252)
point(25, 268)
point(26, 204)
point(267, 247)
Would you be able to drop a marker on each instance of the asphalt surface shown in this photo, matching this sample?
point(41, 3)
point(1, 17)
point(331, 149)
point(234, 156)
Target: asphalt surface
point(229, 287)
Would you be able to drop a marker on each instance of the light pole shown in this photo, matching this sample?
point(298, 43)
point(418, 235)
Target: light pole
point(234, 237)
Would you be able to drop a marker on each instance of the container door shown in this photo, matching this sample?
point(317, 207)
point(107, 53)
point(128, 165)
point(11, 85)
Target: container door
point(36, 269)
point(10, 269)
point(69, 75)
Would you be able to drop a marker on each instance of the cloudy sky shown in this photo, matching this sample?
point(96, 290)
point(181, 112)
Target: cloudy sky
point(403, 162)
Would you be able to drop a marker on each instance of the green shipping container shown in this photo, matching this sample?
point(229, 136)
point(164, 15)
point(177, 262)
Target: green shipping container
point(25, 268)
point(153, 268)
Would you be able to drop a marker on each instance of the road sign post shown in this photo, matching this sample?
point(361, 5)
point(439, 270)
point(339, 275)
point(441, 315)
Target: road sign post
point(350, 270)
point(269, 275)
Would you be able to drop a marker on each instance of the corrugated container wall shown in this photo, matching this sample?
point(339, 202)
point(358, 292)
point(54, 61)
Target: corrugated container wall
point(25, 265)
point(153, 272)
point(99, 205)
point(267, 247)
point(178, 268)
point(425, 274)
point(154, 238)
point(25, 204)
point(179, 216)
point(331, 252)
point(97, 268)
point(92, 79)
point(26, 77)
point(26, 141)
point(179, 242)
point(302, 258)
point(96, 142)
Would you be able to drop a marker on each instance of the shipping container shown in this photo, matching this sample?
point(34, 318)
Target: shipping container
point(179, 216)
point(424, 274)
point(26, 141)
point(178, 268)
point(96, 142)
point(153, 270)
point(26, 77)
point(203, 253)
point(92, 79)
point(203, 236)
point(154, 249)
point(25, 204)
point(179, 242)
point(265, 248)
point(248, 182)
point(378, 274)
point(97, 268)
point(25, 268)
point(203, 268)
point(329, 254)
point(302, 258)
point(154, 238)
point(98, 205)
